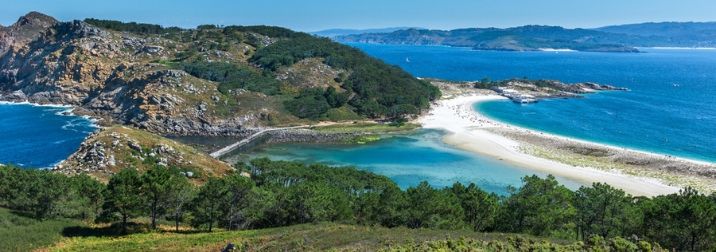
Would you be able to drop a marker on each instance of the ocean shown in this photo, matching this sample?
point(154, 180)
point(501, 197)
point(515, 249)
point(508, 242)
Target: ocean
point(39, 136)
point(670, 110)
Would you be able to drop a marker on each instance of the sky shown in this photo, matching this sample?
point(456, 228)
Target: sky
point(314, 15)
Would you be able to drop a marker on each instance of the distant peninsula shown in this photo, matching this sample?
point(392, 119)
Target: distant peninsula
point(623, 38)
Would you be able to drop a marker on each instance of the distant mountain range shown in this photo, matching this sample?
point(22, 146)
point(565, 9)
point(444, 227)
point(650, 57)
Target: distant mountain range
point(621, 38)
point(331, 33)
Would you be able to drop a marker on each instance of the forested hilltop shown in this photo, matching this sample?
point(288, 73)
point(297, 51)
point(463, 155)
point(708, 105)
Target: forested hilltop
point(205, 81)
point(540, 215)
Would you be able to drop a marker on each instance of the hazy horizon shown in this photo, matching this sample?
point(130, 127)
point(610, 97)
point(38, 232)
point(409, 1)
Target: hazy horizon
point(318, 15)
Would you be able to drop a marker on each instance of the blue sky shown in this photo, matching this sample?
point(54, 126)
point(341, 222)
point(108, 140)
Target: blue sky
point(312, 15)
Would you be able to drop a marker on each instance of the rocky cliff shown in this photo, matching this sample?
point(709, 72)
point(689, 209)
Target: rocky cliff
point(111, 75)
point(204, 81)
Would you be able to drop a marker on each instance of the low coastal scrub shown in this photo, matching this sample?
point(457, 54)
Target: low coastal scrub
point(266, 194)
point(372, 128)
point(522, 244)
point(330, 236)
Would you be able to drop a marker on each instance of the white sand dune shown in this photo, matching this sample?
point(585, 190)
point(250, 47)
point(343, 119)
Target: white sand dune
point(467, 130)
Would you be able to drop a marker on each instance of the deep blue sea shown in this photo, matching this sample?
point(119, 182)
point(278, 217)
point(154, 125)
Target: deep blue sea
point(671, 108)
point(39, 136)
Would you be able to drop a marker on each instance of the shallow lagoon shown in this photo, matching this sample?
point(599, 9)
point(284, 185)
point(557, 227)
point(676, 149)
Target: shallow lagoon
point(408, 160)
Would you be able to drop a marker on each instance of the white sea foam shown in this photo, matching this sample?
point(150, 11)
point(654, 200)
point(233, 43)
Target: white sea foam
point(35, 104)
point(68, 110)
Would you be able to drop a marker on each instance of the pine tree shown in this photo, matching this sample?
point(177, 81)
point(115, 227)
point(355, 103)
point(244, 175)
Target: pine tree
point(124, 196)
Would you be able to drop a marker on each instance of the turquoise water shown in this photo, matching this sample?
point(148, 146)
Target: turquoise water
point(408, 160)
point(671, 108)
point(39, 136)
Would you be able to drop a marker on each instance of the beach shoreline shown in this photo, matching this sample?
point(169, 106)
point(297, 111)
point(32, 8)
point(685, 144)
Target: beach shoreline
point(469, 130)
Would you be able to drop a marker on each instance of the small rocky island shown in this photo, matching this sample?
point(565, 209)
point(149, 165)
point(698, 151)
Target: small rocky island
point(531, 91)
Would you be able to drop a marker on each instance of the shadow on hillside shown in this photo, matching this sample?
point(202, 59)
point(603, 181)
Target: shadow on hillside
point(109, 231)
point(115, 230)
point(22, 214)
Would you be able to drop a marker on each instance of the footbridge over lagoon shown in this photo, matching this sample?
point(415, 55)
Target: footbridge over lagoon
point(246, 141)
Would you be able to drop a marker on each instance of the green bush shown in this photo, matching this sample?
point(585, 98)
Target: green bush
point(233, 76)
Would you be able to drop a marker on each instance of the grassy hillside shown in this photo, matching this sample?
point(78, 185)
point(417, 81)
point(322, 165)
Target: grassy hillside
point(20, 233)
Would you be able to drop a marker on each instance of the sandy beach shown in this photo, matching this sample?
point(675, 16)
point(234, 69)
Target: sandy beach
point(471, 131)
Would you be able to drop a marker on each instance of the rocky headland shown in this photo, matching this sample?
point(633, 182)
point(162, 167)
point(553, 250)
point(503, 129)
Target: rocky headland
point(144, 81)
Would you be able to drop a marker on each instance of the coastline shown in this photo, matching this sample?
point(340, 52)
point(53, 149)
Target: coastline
point(67, 110)
point(471, 131)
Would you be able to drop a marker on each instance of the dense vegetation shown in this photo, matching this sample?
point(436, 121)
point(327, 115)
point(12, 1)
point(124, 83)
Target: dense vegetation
point(381, 90)
point(376, 90)
point(131, 26)
point(283, 193)
point(233, 76)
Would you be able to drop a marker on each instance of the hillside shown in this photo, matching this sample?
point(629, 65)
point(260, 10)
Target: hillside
point(204, 81)
point(336, 237)
point(114, 148)
point(686, 34)
point(330, 33)
point(524, 38)
point(619, 38)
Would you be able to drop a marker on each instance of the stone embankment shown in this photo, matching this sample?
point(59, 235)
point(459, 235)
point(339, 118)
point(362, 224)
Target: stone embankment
point(296, 134)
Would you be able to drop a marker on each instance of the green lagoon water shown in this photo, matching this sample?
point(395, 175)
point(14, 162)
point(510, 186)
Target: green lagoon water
point(408, 160)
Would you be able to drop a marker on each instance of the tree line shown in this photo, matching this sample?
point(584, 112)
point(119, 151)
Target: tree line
point(281, 193)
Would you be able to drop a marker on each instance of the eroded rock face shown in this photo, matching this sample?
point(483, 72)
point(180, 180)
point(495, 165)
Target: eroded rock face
point(112, 76)
point(112, 149)
point(26, 29)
